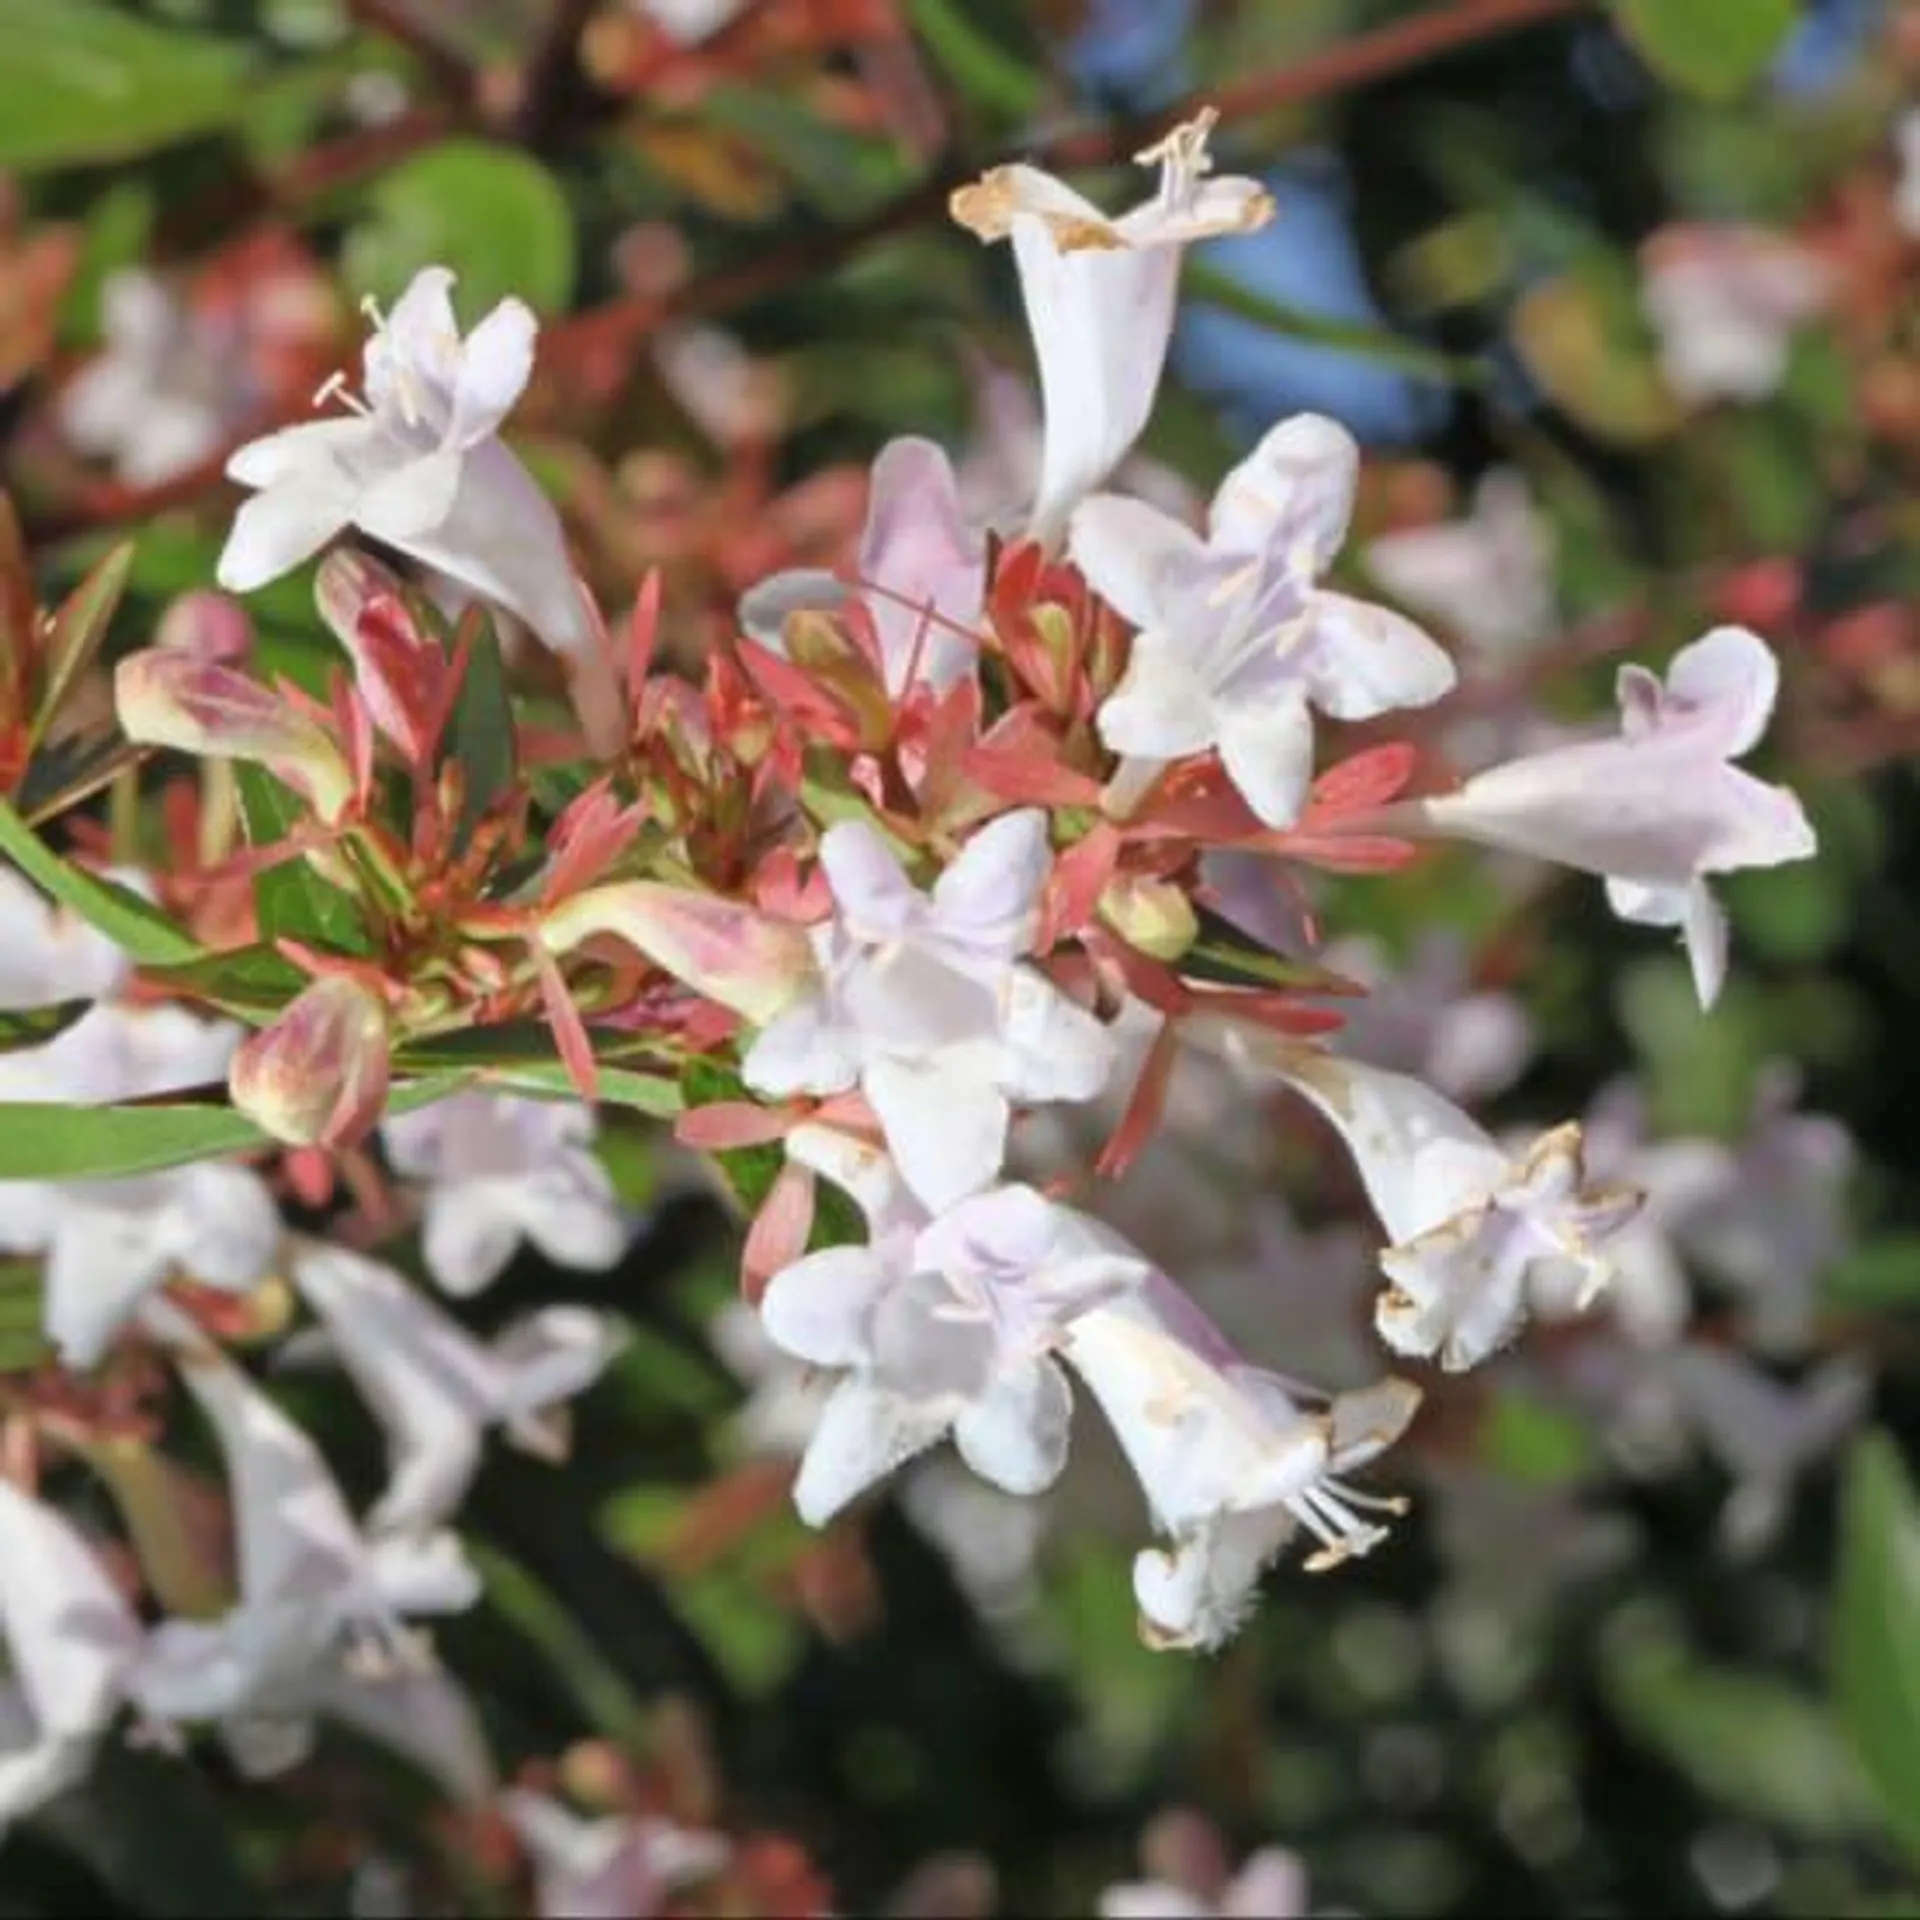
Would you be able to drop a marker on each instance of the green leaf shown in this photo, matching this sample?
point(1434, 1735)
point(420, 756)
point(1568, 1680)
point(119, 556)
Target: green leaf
point(45, 1141)
point(1716, 48)
point(82, 82)
point(33, 1026)
point(1225, 954)
point(252, 982)
point(1876, 1654)
point(986, 73)
point(290, 900)
point(618, 1086)
point(494, 216)
point(480, 738)
point(78, 630)
point(142, 931)
point(1883, 1272)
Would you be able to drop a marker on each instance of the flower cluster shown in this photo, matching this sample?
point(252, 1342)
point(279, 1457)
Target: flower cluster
point(932, 858)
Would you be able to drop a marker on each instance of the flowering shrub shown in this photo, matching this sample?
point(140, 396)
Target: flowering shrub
point(1022, 896)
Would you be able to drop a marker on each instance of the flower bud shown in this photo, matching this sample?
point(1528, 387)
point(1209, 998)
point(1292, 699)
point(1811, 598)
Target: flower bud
point(403, 675)
point(318, 1075)
point(170, 697)
point(731, 954)
point(1153, 915)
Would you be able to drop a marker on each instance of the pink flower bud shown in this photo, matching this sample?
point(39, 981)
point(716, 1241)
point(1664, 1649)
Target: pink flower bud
point(403, 675)
point(748, 961)
point(176, 698)
point(318, 1075)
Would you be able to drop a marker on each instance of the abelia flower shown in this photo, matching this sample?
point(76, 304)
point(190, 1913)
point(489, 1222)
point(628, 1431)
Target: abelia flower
point(1236, 642)
point(1099, 295)
point(1230, 1462)
point(609, 1868)
point(498, 1171)
point(108, 1243)
point(1487, 577)
point(1469, 1226)
point(942, 1324)
point(1726, 303)
point(315, 1594)
point(1654, 811)
point(72, 1643)
point(419, 465)
point(318, 1074)
point(922, 1002)
point(920, 574)
point(48, 953)
point(435, 1388)
point(1192, 1879)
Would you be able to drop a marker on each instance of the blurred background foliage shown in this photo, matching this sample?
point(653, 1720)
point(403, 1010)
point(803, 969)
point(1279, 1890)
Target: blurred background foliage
point(1539, 1725)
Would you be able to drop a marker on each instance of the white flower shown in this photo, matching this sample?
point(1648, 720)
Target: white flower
point(1271, 1885)
point(318, 1603)
point(71, 1642)
point(49, 954)
point(419, 465)
point(499, 1170)
point(1488, 577)
point(164, 391)
point(923, 1004)
point(435, 1388)
point(944, 1327)
point(607, 1869)
point(1726, 303)
point(1099, 295)
point(1230, 1463)
point(1655, 810)
point(1236, 642)
point(1470, 1227)
point(920, 574)
point(110, 1242)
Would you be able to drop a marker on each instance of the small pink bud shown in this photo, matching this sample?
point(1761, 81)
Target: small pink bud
point(208, 625)
point(738, 958)
point(318, 1075)
point(403, 675)
point(175, 698)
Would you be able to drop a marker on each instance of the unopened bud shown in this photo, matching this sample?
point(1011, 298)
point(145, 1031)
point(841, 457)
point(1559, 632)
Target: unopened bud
point(403, 675)
point(318, 1075)
point(176, 698)
point(210, 626)
point(1155, 916)
point(731, 954)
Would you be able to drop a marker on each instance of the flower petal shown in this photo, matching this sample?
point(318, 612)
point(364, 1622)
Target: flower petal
point(1366, 659)
point(1267, 750)
point(820, 1308)
point(864, 1433)
point(946, 1127)
point(1015, 1434)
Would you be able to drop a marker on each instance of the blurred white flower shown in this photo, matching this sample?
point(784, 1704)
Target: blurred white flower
point(606, 1869)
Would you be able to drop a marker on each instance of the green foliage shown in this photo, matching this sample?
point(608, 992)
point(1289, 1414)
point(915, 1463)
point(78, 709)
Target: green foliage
point(1876, 1654)
point(82, 82)
point(1717, 48)
point(495, 216)
point(291, 901)
point(140, 928)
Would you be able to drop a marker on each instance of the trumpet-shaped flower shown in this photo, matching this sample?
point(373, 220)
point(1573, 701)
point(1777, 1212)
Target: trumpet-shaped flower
point(1236, 642)
point(922, 1002)
point(1655, 810)
point(110, 1242)
point(72, 1643)
point(1472, 1229)
point(920, 573)
point(435, 1388)
point(419, 465)
point(500, 1170)
point(1230, 1462)
point(944, 1326)
point(316, 1596)
point(1099, 294)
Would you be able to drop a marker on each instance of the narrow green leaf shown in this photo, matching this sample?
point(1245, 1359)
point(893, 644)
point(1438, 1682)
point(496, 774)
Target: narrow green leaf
point(1213, 288)
point(1223, 953)
point(252, 982)
point(141, 930)
point(480, 739)
point(290, 900)
point(1876, 1652)
point(79, 628)
point(83, 82)
point(1716, 48)
point(33, 1026)
point(619, 1086)
point(45, 1141)
point(985, 72)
